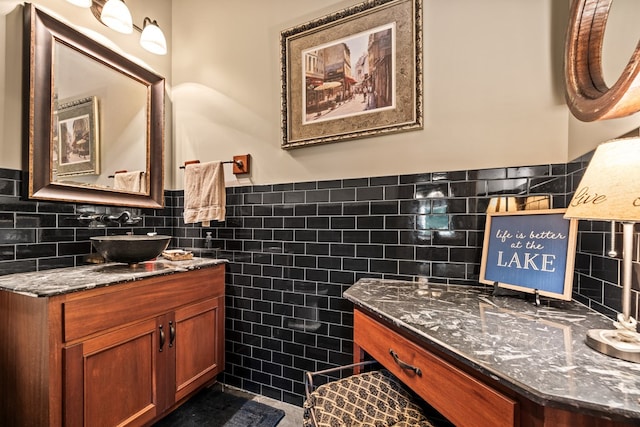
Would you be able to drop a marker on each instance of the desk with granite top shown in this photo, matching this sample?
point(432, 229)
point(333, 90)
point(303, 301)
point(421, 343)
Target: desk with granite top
point(529, 363)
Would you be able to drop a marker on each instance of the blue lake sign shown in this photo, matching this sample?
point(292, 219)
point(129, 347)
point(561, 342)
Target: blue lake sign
point(530, 251)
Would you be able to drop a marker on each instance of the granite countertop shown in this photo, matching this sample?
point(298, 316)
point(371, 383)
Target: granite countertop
point(59, 281)
point(537, 351)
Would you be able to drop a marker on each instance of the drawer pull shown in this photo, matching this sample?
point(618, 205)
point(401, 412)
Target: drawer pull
point(405, 365)
point(172, 334)
point(162, 338)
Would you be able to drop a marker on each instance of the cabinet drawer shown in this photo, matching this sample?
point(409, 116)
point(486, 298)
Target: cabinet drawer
point(93, 311)
point(462, 399)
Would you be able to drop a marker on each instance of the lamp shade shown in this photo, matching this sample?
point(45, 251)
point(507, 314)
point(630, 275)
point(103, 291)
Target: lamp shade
point(152, 38)
point(115, 15)
point(610, 187)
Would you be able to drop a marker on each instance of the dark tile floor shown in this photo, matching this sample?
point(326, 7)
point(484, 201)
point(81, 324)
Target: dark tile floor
point(292, 413)
point(218, 404)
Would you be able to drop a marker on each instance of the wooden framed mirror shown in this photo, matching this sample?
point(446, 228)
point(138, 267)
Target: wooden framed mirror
point(588, 96)
point(91, 113)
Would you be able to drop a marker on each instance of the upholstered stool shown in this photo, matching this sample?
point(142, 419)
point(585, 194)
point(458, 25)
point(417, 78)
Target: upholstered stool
point(374, 398)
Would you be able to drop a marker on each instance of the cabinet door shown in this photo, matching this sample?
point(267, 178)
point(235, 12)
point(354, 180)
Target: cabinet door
point(199, 344)
point(112, 379)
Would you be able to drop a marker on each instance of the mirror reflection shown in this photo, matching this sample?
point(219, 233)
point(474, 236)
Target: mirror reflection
point(621, 36)
point(99, 124)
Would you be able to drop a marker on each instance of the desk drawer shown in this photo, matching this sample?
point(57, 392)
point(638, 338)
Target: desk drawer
point(462, 399)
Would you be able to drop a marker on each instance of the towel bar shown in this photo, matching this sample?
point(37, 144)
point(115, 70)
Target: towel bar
point(240, 163)
point(120, 171)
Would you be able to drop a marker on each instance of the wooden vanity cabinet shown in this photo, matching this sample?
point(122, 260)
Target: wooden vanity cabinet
point(128, 354)
point(116, 378)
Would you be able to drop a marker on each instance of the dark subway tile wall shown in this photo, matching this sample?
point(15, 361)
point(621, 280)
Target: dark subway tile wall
point(294, 248)
point(42, 235)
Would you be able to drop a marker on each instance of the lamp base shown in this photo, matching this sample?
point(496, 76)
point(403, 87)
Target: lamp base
point(624, 345)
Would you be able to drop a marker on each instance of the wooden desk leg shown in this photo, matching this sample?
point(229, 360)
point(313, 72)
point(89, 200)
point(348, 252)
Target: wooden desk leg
point(358, 356)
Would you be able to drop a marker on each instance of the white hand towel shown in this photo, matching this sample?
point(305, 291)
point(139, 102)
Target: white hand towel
point(135, 181)
point(204, 193)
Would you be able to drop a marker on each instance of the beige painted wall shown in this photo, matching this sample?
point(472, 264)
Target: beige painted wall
point(492, 73)
point(493, 91)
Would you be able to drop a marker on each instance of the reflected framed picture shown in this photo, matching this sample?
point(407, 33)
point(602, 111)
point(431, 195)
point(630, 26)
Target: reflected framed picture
point(352, 74)
point(76, 147)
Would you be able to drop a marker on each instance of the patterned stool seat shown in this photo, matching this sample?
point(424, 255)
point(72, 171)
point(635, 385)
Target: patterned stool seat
point(371, 399)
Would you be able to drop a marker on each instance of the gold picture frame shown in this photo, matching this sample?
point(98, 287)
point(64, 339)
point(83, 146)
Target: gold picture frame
point(76, 145)
point(352, 74)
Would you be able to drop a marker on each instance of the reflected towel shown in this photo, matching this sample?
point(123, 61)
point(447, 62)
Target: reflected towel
point(204, 193)
point(135, 181)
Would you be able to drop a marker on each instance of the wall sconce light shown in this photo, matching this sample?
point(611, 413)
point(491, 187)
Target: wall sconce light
point(116, 15)
point(609, 190)
point(152, 37)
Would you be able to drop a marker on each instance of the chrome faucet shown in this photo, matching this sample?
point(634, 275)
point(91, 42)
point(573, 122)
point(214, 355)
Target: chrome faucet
point(125, 217)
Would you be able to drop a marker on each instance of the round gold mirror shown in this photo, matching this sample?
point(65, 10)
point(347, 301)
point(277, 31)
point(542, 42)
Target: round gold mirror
point(588, 96)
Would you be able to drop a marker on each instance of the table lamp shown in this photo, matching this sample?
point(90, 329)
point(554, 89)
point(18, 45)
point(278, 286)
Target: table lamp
point(610, 190)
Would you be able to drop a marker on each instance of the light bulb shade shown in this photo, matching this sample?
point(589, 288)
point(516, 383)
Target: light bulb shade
point(152, 38)
point(115, 15)
point(81, 3)
point(610, 187)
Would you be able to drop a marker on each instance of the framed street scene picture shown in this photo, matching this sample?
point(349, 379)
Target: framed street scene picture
point(353, 74)
point(76, 148)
